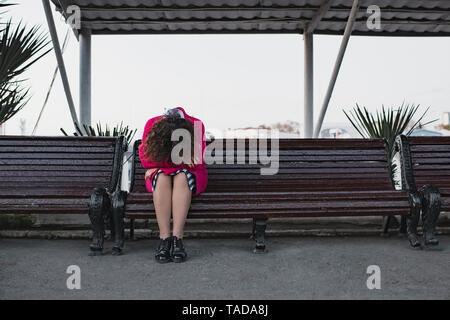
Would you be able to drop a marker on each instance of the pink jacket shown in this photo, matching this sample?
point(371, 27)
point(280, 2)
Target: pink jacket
point(201, 175)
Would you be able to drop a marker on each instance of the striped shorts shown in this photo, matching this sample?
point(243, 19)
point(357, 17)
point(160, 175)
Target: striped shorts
point(190, 178)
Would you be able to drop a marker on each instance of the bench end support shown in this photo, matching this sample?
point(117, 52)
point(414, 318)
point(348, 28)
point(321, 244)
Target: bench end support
point(259, 230)
point(431, 207)
point(98, 210)
point(412, 220)
point(118, 200)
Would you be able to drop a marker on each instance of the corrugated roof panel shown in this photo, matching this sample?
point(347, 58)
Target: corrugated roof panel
point(399, 17)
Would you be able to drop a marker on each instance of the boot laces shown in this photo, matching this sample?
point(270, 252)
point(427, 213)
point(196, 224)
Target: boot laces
point(164, 245)
point(178, 243)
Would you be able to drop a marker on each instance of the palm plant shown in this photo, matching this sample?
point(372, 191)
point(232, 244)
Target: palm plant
point(20, 48)
point(387, 123)
point(118, 130)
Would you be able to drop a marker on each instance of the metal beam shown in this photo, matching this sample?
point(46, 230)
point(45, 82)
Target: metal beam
point(60, 60)
point(85, 76)
point(324, 7)
point(308, 112)
point(337, 66)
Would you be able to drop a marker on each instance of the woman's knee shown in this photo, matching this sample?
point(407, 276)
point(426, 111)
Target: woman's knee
point(180, 181)
point(163, 182)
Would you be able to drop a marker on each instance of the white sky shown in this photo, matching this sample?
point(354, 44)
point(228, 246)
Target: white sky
point(232, 81)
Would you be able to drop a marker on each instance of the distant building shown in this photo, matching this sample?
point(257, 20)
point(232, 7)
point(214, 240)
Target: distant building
point(249, 133)
point(425, 133)
point(259, 132)
point(335, 133)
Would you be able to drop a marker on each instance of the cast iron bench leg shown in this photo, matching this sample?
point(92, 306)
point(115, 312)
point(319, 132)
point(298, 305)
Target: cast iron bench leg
point(98, 208)
point(431, 208)
point(117, 218)
point(386, 222)
point(412, 220)
point(389, 222)
point(402, 230)
point(132, 226)
point(259, 230)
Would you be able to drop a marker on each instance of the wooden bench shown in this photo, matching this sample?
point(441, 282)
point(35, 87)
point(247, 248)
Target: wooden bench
point(316, 178)
point(425, 173)
point(60, 175)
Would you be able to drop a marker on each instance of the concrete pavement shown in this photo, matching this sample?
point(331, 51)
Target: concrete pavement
point(294, 268)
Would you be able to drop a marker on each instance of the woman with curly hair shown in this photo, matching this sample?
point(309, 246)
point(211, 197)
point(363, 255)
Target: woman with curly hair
point(173, 182)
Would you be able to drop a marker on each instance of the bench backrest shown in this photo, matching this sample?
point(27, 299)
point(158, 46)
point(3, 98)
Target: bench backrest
point(430, 160)
point(60, 162)
point(304, 165)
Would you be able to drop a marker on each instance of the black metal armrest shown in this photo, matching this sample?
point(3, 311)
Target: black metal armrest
point(402, 146)
point(133, 163)
point(121, 147)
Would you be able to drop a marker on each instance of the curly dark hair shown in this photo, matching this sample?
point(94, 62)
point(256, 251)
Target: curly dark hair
point(158, 143)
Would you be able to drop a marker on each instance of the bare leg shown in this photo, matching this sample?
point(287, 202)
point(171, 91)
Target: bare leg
point(162, 199)
point(181, 201)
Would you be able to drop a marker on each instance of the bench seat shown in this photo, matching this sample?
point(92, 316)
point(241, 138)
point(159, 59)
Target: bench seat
point(315, 178)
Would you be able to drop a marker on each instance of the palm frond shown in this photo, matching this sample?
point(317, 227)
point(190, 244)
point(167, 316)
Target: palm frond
point(387, 123)
point(20, 48)
point(99, 130)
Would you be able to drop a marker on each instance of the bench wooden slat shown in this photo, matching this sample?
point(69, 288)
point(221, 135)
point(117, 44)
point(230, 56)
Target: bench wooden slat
point(65, 168)
point(213, 171)
point(56, 155)
point(67, 174)
point(50, 180)
point(47, 192)
point(51, 162)
point(29, 202)
point(428, 148)
point(45, 210)
point(58, 149)
point(261, 214)
point(56, 141)
point(310, 152)
point(287, 144)
point(298, 196)
point(436, 160)
point(55, 184)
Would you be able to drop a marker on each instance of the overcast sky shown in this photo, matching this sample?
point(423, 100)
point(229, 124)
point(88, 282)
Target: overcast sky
point(232, 81)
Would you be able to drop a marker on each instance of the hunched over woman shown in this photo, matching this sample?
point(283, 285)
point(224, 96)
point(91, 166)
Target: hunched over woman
point(173, 183)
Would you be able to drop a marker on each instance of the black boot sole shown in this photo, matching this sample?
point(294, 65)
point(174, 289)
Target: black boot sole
point(163, 261)
point(117, 251)
point(433, 246)
point(179, 259)
point(96, 252)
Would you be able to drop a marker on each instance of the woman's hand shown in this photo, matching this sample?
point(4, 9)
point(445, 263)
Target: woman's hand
point(191, 165)
point(149, 173)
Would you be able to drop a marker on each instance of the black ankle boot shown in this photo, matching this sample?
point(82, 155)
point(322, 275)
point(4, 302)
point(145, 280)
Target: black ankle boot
point(178, 253)
point(163, 252)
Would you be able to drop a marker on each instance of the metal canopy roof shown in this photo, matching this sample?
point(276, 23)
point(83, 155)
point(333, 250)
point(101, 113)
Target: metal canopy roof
point(398, 17)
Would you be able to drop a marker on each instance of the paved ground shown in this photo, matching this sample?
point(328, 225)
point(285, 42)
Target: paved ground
point(294, 268)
